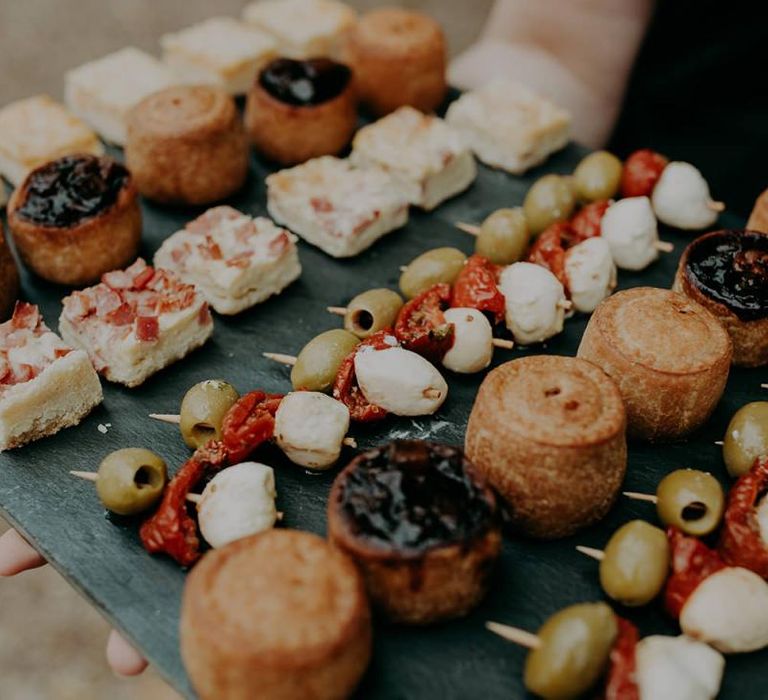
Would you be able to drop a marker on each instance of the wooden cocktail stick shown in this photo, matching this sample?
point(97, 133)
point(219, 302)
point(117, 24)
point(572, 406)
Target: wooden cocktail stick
point(764, 386)
point(719, 443)
point(281, 358)
point(497, 342)
point(473, 230)
point(591, 552)
point(636, 496)
point(175, 419)
point(514, 634)
point(715, 206)
point(191, 497)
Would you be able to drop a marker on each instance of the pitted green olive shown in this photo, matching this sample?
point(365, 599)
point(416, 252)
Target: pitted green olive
point(203, 409)
point(131, 480)
point(635, 563)
point(597, 176)
point(503, 237)
point(430, 268)
point(550, 199)
point(319, 360)
point(372, 311)
point(746, 437)
point(573, 652)
point(691, 501)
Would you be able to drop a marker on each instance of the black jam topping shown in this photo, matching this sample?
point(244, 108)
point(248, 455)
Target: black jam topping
point(304, 83)
point(414, 495)
point(731, 267)
point(68, 190)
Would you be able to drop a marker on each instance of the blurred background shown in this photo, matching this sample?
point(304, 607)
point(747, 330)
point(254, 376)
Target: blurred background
point(52, 641)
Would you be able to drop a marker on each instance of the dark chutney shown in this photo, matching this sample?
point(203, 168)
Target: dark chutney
point(412, 495)
point(304, 83)
point(69, 190)
point(731, 267)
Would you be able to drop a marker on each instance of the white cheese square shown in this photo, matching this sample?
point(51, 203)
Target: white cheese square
point(45, 385)
point(426, 158)
point(509, 126)
point(303, 28)
point(135, 322)
point(235, 261)
point(38, 129)
point(219, 51)
point(103, 91)
point(339, 208)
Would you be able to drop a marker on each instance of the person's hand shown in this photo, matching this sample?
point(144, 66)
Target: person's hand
point(17, 555)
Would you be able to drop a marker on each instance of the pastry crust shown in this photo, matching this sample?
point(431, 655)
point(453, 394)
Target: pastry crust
point(418, 587)
point(37, 130)
point(758, 219)
point(399, 58)
point(187, 145)
point(280, 615)
point(290, 134)
point(668, 355)
point(549, 435)
point(9, 278)
point(79, 254)
point(749, 337)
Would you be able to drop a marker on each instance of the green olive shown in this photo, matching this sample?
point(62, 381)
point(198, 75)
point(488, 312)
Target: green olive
point(573, 653)
point(203, 409)
point(131, 480)
point(691, 501)
point(430, 268)
point(746, 437)
point(597, 176)
point(550, 199)
point(372, 311)
point(320, 359)
point(635, 563)
point(503, 237)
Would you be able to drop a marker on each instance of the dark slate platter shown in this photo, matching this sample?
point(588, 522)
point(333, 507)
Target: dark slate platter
point(140, 594)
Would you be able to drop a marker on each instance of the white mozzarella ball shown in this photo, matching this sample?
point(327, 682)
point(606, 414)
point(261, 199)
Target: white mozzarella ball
point(591, 273)
point(630, 229)
point(310, 428)
point(472, 347)
point(239, 501)
point(729, 611)
point(399, 381)
point(762, 519)
point(534, 302)
point(677, 668)
point(681, 198)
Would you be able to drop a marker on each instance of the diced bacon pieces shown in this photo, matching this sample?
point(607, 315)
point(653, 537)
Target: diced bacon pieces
point(117, 279)
point(279, 244)
point(121, 316)
point(25, 316)
point(143, 278)
point(147, 328)
point(242, 260)
point(321, 204)
point(204, 315)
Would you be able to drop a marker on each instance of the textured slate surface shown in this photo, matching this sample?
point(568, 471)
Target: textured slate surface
point(140, 594)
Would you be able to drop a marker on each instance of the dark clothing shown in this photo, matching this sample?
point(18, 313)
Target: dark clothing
point(699, 93)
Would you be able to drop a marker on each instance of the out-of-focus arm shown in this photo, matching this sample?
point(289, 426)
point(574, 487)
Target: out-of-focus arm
point(577, 52)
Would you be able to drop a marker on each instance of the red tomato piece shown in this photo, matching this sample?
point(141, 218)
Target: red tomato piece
point(476, 288)
point(421, 326)
point(586, 223)
point(147, 328)
point(641, 172)
point(347, 390)
point(249, 423)
point(549, 249)
point(692, 562)
point(620, 680)
point(741, 543)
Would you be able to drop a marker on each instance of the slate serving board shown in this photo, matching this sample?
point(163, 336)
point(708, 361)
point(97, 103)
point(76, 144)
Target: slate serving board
point(103, 559)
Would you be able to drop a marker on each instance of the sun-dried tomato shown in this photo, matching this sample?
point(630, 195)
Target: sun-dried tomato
point(249, 423)
point(586, 223)
point(549, 249)
point(692, 562)
point(171, 529)
point(421, 325)
point(347, 390)
point(476, 288)
point(620, 680)
point(741, 543)
point(641, 172)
